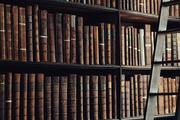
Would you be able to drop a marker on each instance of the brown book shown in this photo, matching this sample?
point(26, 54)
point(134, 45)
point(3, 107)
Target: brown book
point(134, 5)
point(156, 7)
point(123, 44)
point(136, 94)
point(168, 47)
point(39, 87)
point(8, 50)
point(103, 3)
point(176, 10)
point(81, 61)
point(141, 4)
point(97, 2)
point(72, 83)
point(109, 77)
point(148, 46)
point(102, 79)
point(152, 6)
point(2, 57)
point(130, 54)
point(140, 94)
point(31, 77)
point(148, 6)
point(127, 98)
point(123, 87)
point(113, 4)
point(127, 47)
point(135, 47)
point(86, 83)
point(138, 5)
point(23, 57)
point(132, 103)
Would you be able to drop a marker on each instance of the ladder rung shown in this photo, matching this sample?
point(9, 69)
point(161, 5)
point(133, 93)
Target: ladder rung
point(170, 3)
point(169, 31)
point(165, 62)
point(162, 94)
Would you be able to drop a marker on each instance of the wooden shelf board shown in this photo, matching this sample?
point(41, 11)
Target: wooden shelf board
point(146, 70)
point(138, 17)
point(56, 68)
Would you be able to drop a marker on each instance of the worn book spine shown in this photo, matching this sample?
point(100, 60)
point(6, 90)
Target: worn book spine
point(123, 44)
point(8, 76)
point(131, 92)
point(109, 77)
point(72, 91)
point(38, 36)
point(123, 87)
point(142, 51)
point(140, 94)
point(130, 55)
point(15, 55)
point(102, 79)
point(136, 93)
point(80, 61)
point(31, 77)
point(148, 46)
point(23, 57)
point(127, 98)
point(86, 83)
point(126, 47)
point(135, 47)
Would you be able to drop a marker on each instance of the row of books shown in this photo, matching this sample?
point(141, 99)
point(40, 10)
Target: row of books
point(147, 6)
point(134, 95)
point(138, 46)
point(32, 34)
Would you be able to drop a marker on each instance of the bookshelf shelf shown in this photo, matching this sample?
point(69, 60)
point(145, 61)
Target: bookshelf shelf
point(146, 70)
point(134, 17)
point(98, 13)
point(56, 68)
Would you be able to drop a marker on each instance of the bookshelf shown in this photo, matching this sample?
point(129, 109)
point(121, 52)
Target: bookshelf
point(93, 15)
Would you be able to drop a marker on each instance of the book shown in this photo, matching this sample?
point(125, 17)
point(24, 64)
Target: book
point(148, 44)
point(141, 44)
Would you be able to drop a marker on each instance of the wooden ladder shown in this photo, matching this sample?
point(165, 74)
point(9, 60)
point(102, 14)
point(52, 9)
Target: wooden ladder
point(157, 60)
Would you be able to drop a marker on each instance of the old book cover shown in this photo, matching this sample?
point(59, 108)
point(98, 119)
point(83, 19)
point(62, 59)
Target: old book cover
point(86, 83)
point(80, 61)
point(8, 50)
point(123, 44)
point(142, 46)
point(31, 77)
point(127, 98)
point(168, 48)
point(174, 48)
point(148, 46)
point(102, 79)
point(136, 94)
point(23, 57)
point(148, 6)
point(130, 55)
point(135, 47)
point(123, 87)
point(140, 94)
point(127, 47)
point(152, 3)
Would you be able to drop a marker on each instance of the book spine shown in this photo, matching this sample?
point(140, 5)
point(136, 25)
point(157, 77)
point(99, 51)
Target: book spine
point(86, 83)
point(81, 61)
point(131, 92)
point(123, 87)
point(72, 78)
point(136, 100)
point(135, 47)
point(140, 94)
point(31, 77)
point(174, 47)
point(109, 77)
point(102, 79)
point(127, 98)
point(123, 44)
point(142, 51)
point(130, 55)
point(39, 82)
point(8, 76)
point(127, 47)
point(23, 57)
point(178, 47)
point(148, 46)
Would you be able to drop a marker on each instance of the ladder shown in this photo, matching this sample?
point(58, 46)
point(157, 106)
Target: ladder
point(157, 60)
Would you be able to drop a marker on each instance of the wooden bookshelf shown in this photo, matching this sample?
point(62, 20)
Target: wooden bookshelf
point(139, 19)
